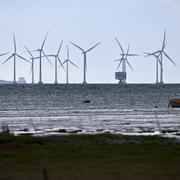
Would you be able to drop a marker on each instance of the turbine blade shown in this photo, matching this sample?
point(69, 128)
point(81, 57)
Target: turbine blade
point(118, 59)
point(61, 64)
point(36, 57)
point(44, 41)
point(119, 45)
point(67, 52)
point(169, 58)
point(77, 46)
point(22, 58)
point(28, 51)
point(126, 55)
point(132, 54)
point(152, 54)
point(93, 47)
point(156, 52)
point(119, 64)
point(50, 55)
point(34, 51)
point(73, 64)
point(8, 59)
point(148, 54)
point(47, 58)
point(14, 43)
point(129, 65)
point(164, 40)
point(3, 54)
point(60, 47)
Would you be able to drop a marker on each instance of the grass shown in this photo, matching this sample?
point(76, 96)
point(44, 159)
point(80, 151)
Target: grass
point(102, 156)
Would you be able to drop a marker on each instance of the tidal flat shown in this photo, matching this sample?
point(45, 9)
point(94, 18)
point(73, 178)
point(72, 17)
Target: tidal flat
point(134, 109)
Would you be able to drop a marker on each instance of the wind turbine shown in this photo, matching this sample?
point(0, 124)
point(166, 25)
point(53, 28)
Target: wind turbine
point(124, 59)
point(32, 64)
point(14, 55)
point(85, 59)
point(41, 51)
point(160, 53)
point(56, 58)
point(157, 65)
point(67, 61)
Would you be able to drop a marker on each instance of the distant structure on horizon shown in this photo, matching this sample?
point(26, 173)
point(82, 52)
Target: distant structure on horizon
point(21, 80)
point(85, 58)
point(159, 60)
point(122, 75)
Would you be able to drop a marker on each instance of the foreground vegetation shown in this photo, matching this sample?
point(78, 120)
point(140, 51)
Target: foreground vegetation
point(102, 156)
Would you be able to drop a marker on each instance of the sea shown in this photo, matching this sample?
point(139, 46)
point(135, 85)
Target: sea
point(130, 109)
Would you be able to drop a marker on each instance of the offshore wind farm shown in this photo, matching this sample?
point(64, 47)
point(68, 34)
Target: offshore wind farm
point(89, 89)
point(121, 75)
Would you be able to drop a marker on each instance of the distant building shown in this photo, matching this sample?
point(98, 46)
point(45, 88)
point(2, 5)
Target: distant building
point(21, 80)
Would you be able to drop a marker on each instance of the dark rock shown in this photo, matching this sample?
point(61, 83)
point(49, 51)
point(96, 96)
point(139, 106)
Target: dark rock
point(100, 130)
point(25, 130)
point(75, 131)
point(61, 131)
point(125, 124)
point(169, 131)
point(86, 101)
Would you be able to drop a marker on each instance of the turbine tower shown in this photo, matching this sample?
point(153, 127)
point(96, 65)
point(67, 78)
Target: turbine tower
point(67, 61)
point(85, 59)
point(14, 55)
point(123, 60)
point(157, 65)
point(160, 54)
point(32, 64)
point(56, 58)
point(41, 51)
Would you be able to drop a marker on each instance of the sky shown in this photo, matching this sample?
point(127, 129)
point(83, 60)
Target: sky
point(140, 23)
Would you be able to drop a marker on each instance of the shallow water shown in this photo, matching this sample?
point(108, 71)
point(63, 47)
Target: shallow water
point(48, 109)
point(63, 121)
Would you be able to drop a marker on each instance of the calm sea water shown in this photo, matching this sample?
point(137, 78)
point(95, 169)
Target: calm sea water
point(59, 109)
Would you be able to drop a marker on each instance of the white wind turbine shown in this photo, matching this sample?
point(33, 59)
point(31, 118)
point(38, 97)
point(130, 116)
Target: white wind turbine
point(41, 51)
point(160, 53)
point(157, 65)
point(14, 55)
point(124, 59)
point(85, 59)
point(67, 61)
point(32, 64)
point(56, 58)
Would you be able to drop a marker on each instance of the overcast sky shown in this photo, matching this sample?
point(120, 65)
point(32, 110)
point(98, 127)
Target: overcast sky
point(138, 22)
